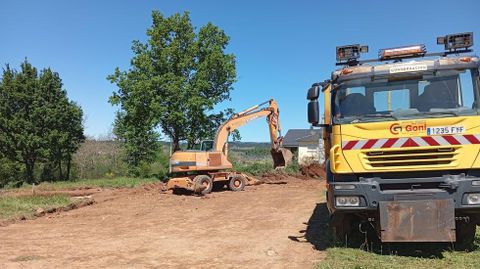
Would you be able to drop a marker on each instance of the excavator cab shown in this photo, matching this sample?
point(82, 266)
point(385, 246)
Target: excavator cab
point(206, 145)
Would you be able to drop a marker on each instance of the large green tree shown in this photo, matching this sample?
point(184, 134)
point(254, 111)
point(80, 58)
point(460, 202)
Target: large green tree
point(175, 80)
point(39, 127)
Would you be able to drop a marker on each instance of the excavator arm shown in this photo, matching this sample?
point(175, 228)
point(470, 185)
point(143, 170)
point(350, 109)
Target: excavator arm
point(281, 157)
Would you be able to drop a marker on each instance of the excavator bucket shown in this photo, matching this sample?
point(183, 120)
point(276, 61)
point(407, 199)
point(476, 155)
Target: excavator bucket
point(281, 157)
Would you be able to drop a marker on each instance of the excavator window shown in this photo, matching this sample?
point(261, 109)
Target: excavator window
point(206, 145)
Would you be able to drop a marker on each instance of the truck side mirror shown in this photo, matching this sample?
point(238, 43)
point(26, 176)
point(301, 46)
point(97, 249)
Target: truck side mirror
point(313, 93)
point(313, 112)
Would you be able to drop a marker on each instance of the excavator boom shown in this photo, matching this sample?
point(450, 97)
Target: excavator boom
point(281, 157)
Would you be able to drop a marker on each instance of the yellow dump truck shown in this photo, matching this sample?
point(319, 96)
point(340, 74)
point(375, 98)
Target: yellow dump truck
point(402, 142)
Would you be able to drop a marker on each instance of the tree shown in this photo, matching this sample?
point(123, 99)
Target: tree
point(176, 78)
point(38, 124)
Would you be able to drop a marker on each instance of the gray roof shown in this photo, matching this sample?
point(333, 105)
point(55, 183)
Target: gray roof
point(294, 136)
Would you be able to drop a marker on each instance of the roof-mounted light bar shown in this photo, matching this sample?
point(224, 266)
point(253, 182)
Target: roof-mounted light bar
point(454, 44)
point(349, 55)
point(456, 41)
point(402, 52)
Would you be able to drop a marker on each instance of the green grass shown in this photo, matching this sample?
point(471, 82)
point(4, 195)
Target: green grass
point(338, 257)
point(11, 206)
point(94, 183)
point(261, 168)
point(15, 206)
point(255, 169)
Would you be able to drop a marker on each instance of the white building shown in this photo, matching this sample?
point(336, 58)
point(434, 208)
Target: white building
point(305, 144)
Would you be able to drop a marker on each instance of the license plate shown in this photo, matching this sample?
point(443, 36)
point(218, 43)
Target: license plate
point(445, 130)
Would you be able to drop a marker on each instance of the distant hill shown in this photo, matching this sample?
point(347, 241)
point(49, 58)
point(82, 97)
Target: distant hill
point(166, 144)
point(240, 144)
point(233, 145)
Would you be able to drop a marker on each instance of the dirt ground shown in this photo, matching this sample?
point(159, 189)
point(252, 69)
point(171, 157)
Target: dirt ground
point(313, 170)
point(265, 226)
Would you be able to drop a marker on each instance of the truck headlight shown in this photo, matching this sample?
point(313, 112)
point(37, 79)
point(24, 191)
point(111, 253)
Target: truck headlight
point(348, 201)
point(473, 198)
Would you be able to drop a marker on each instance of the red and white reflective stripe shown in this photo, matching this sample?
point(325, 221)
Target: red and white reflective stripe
point(404, 142)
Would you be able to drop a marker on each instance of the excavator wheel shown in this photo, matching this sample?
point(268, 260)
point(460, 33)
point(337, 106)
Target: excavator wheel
point(236, 183)
point(203, 184)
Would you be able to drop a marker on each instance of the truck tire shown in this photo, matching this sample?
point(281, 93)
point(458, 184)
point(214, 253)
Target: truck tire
point(236, 183)
point(345, 231)
point(339, 231)
point(203, 181)
point(465, 233)
point(341, 226)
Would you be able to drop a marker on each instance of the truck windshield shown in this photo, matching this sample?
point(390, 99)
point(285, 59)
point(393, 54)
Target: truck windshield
point(445, 93)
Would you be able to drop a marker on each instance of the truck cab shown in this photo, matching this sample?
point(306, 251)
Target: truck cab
point(402, 139)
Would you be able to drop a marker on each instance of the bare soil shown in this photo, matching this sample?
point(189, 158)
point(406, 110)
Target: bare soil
point(264, 226)
point(314, 170)
point(70, 193)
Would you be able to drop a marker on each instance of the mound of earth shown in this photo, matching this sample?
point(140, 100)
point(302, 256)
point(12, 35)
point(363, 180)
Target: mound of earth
point(314, 170)
point(274, 177)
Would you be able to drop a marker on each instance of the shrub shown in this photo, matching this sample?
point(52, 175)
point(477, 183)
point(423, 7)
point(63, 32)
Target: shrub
point(293, 168)
point(256, 169)
point(10, 173)
point(97, 159)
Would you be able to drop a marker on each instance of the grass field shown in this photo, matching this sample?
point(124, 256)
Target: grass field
point(11, 206)
point(120, 182)
point(15, 206)
point(338, 257)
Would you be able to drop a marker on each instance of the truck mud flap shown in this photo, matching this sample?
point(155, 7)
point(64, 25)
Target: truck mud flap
point(417, 221)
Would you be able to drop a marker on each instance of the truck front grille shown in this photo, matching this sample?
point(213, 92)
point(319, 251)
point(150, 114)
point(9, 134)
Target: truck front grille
point(438, 156)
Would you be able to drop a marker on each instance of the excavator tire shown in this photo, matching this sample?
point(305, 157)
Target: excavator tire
point(237, 183)
point(203, 184)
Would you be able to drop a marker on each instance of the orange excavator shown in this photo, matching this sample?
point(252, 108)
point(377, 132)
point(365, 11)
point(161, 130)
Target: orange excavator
point(198, 170)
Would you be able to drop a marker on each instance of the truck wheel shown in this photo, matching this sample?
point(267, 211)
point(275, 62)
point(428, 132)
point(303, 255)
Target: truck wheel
point(465, 233)
point(345, 231)
point(236, 183)
point(341, 226)
point(203, 184)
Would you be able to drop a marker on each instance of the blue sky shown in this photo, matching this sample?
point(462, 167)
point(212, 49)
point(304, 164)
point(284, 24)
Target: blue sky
point(282, 47)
